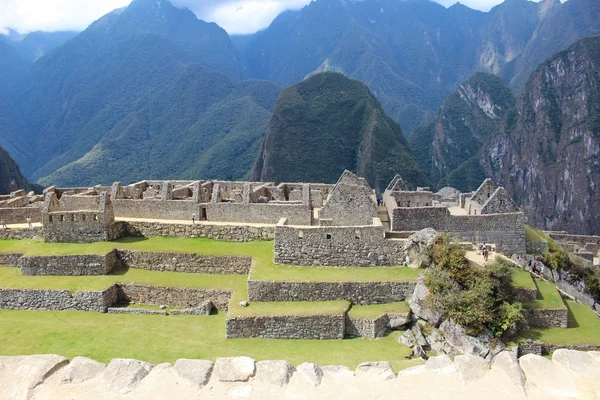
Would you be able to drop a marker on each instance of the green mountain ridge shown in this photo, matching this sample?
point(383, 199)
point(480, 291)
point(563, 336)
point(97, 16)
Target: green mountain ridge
point(329, 123)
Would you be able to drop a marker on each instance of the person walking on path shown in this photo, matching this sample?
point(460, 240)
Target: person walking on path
point(193, 218)
point(29, 222)
point(3, 224)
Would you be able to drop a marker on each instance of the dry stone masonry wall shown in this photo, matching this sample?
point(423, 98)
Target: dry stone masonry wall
point(230, 233)
point(39, 299)
point(546, 317)
point(354, 292)
point(336, 246)
point(174, 296)
point(286, 327)
point(186, 262)
point(366, 327)
point(68, 264)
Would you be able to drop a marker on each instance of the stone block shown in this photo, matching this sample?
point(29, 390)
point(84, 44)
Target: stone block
point(195, 372)
point(234, 369)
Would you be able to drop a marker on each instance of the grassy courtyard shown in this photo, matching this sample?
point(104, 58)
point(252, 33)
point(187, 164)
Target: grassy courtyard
point(166, 338)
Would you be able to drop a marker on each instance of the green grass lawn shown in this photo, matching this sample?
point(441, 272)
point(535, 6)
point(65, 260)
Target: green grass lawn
point(522, 279)
point(548, 296)
point(292, 308)
point(584, 328)
point(533, 235)
point(376, 310)
point(159, 339)
point(264, 267)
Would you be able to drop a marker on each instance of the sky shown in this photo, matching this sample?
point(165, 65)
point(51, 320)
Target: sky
point(235, 16)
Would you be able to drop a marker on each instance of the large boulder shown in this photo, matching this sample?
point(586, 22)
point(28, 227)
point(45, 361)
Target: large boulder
point(416, 302)
point(274, 372)
point(234, 369)
point(81, 369)
point(550, 378)
point(441, 364)
point(471, 368)
point(312, 373)
point(31, 371)
point(122, 375)
point(408, 339)
point(505, 363)
point(482, 345)
point(337, 371)
point(375, 370)
point(579, 363)
point(415, 245)
point(195, 372)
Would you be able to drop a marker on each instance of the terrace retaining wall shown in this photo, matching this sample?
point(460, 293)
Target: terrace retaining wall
point(19, 215)
point(186, 262)
point(41, 299)
point(286, 327)
point(366, 327)
point(355, 292)
point(21, 233)
point(230, 233)
point(546, 317)
point(69, 264)
point(174, 296)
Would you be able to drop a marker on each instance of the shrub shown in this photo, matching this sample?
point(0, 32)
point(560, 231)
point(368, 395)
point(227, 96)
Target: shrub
point(479, 299)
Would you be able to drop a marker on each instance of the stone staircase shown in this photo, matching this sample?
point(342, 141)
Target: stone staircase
point(383, 216)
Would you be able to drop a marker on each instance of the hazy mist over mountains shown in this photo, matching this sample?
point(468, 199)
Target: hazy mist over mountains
point(151, 91)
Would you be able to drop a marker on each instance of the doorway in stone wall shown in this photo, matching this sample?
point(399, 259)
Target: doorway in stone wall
point(203, 214)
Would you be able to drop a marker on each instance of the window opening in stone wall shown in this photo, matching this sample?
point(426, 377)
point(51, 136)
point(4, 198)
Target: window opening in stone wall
point(357, 235)
point(72, 217)
point(300, 235)
point(49, 218)
point(203, 216)
point(95, 217)
point(328, 236)
point(408, 204)
point(62, 218)
point(83, 217)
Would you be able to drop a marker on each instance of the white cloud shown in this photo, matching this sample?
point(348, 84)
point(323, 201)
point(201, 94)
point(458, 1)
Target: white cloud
point(241, 16)
point(235, 16)
point(26, 16)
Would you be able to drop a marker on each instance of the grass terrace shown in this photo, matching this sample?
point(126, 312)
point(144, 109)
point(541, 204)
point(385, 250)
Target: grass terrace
point(584, 328)
point(523, 279)
point(158, 339)
point(548, 297)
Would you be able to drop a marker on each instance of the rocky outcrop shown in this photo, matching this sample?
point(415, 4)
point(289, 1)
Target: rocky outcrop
point(415, 245)
point(417, 303)
point(482, 345)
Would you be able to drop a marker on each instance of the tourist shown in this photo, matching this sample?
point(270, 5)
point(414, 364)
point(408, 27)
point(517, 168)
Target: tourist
point(534, 268)
point(3, 224)
point(542, 269)
point(193, 218)
point(29, 222)
point(486, 254)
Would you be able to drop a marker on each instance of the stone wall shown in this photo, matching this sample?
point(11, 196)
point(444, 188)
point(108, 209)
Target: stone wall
point(141, 311)
point(231, 233)
point(286, 327)
point(546, 317)
point(365, 327)
point(354, 292)
point(173, 296)
point(524, 294)
point(582, 240)
point(262, 213)
point(21, 233)
point(505, 230)
point(70, 202)
point(68, 264)
point(39, 299)
point(19, 215)
point(349, 205)
point(77, 227)
point(336, 246)
point(156, 209)
point(186, 262)
point(10, 259)
point(414, 199)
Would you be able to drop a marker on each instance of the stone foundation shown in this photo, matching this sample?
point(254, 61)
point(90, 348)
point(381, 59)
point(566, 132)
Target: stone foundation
point(39, 299)
point(524, 294)
point(354, 292)
point(21, 233)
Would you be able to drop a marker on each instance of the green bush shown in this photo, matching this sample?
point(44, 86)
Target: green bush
point(480, 299)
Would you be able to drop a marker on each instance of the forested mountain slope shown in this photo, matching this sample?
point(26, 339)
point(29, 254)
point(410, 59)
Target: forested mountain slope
point(329, 123)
